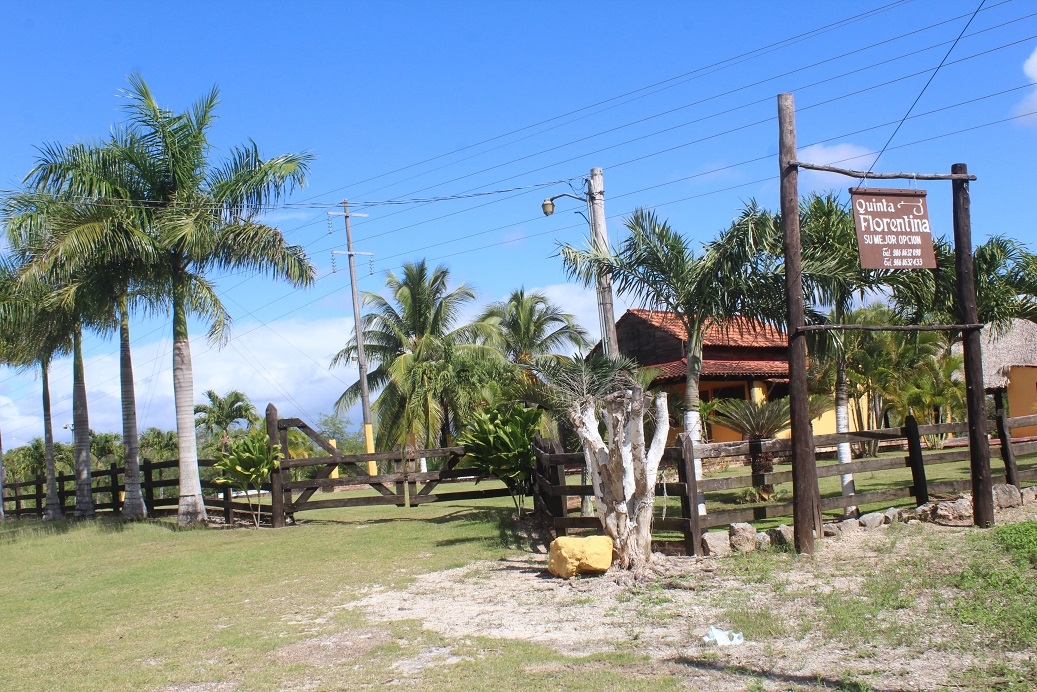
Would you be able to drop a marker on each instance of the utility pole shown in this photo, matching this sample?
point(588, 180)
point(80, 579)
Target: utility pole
point(806, 501)
point(361, 359)
point(600, 236)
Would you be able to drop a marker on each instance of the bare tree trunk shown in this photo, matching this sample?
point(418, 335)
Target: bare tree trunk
point(81, 430)
point(54, 509)
point(624, 472)
point(842, 425)
point(133, 505)
point(191, 509)
point(692, 418)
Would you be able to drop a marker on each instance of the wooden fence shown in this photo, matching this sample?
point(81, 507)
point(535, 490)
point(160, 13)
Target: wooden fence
point(551, 491)
point(403, 486)
point(29, 498)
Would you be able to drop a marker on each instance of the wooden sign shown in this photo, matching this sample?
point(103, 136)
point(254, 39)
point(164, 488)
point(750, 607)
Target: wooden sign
point(892, 228)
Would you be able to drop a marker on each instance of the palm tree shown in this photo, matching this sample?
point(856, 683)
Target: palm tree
point(222, 413)
point(761, 420)
point(529, 326)
point(199, 217)
point(415, 341)
point(1006, 286)
point(39, 330)
point(659, 267)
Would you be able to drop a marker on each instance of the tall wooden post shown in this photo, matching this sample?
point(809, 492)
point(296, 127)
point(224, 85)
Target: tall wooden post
point(276, 488)
point(975, 398)
point(805, 498)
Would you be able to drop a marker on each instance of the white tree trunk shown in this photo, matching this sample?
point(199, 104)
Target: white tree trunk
point(191, 510)
point(133, 505)
point(81, 431)
point(693, 426)
point(624, 472)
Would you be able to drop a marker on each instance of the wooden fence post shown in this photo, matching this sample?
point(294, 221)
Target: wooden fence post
point(149, 485)
point(690, 498)
point(41, 498)
point(276, 487)
point(113, 472)
point(17, 499)
point(1004, 433)
point(286, 475)
point(917, 463)
point(228, 510)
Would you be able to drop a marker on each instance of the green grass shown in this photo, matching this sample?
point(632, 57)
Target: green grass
point(122, 605)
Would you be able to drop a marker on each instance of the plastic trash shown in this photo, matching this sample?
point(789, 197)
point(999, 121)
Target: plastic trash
point(722, 637)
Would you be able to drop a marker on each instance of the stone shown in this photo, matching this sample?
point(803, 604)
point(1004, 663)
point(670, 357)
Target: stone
point(1029, 496)
point(1006, 496)
point(782, 536)
point(956, 513)
point(872, 520)
point(716, 544)
point(907, 515)
point(925, 512)
point(912, 522)
point(893, 515)
point(572, 555)
point(848, 525)
point(763, 541)
point(829, 530)
point(743, 537)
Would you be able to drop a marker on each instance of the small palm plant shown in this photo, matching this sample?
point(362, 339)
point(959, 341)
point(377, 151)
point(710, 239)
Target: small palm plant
point(498, 442)
point(246, 467)
point(759, 421)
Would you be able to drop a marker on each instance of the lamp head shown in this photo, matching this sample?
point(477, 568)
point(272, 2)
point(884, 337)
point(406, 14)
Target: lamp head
point(548, 206)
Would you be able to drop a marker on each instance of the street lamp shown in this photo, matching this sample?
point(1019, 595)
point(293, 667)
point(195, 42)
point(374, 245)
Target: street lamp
point(595, 201)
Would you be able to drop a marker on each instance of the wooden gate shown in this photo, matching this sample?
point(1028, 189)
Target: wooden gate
point(403, 485)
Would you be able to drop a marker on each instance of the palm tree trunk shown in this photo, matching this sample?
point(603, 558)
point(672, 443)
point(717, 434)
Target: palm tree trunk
point(133, 507)
point(191, 510)
point(692, 419)
point(842, 425)
point(81, 430)
point(54, 509)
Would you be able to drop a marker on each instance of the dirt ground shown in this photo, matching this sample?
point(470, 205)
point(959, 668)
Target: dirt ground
point(774, 597)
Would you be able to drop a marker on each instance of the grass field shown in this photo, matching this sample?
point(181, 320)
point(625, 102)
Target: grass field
point(105, 605)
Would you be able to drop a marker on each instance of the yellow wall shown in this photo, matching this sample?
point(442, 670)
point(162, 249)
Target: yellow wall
point(1022, 396)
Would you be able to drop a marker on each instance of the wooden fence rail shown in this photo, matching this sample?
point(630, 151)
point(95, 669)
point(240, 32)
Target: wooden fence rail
point(28, 498)
point(550, 489)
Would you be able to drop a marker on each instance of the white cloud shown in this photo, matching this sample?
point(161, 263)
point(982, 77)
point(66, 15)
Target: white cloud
point(1029, 102)
point(844, 155)
point(285, 363)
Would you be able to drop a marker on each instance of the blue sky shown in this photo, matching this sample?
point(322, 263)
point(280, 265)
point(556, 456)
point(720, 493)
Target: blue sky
point(414, 100)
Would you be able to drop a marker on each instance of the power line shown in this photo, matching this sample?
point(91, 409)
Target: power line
point(930, 81)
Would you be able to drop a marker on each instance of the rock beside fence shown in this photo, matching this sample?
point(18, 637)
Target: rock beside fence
point(572, 555)
point(872, 520)
point(716, 544)
point(743, 537)
point(1029, 496)
point(1006, 496)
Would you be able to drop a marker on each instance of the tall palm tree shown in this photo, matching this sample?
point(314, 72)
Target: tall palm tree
point(38, 330)
point(199, 216)
point(528, 326)
point(222, 413)
point(413, 341)
point(659, 267)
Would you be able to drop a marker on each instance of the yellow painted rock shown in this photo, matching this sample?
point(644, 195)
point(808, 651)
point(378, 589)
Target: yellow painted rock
point(572, 555)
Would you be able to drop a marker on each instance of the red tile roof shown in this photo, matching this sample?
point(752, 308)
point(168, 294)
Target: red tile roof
point(677, 370)
point(738, 331)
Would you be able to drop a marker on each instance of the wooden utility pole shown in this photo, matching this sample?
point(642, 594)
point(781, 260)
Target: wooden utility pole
point(975, 397)
point(361, 359)
point(806, 504)
point(600, 237)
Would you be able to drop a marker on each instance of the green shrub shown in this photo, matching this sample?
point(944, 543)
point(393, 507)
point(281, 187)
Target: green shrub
point(247, 466)
point(1020, 541)
point(499, 443)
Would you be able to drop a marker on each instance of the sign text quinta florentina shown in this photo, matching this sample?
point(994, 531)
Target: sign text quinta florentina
point(892, 228)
